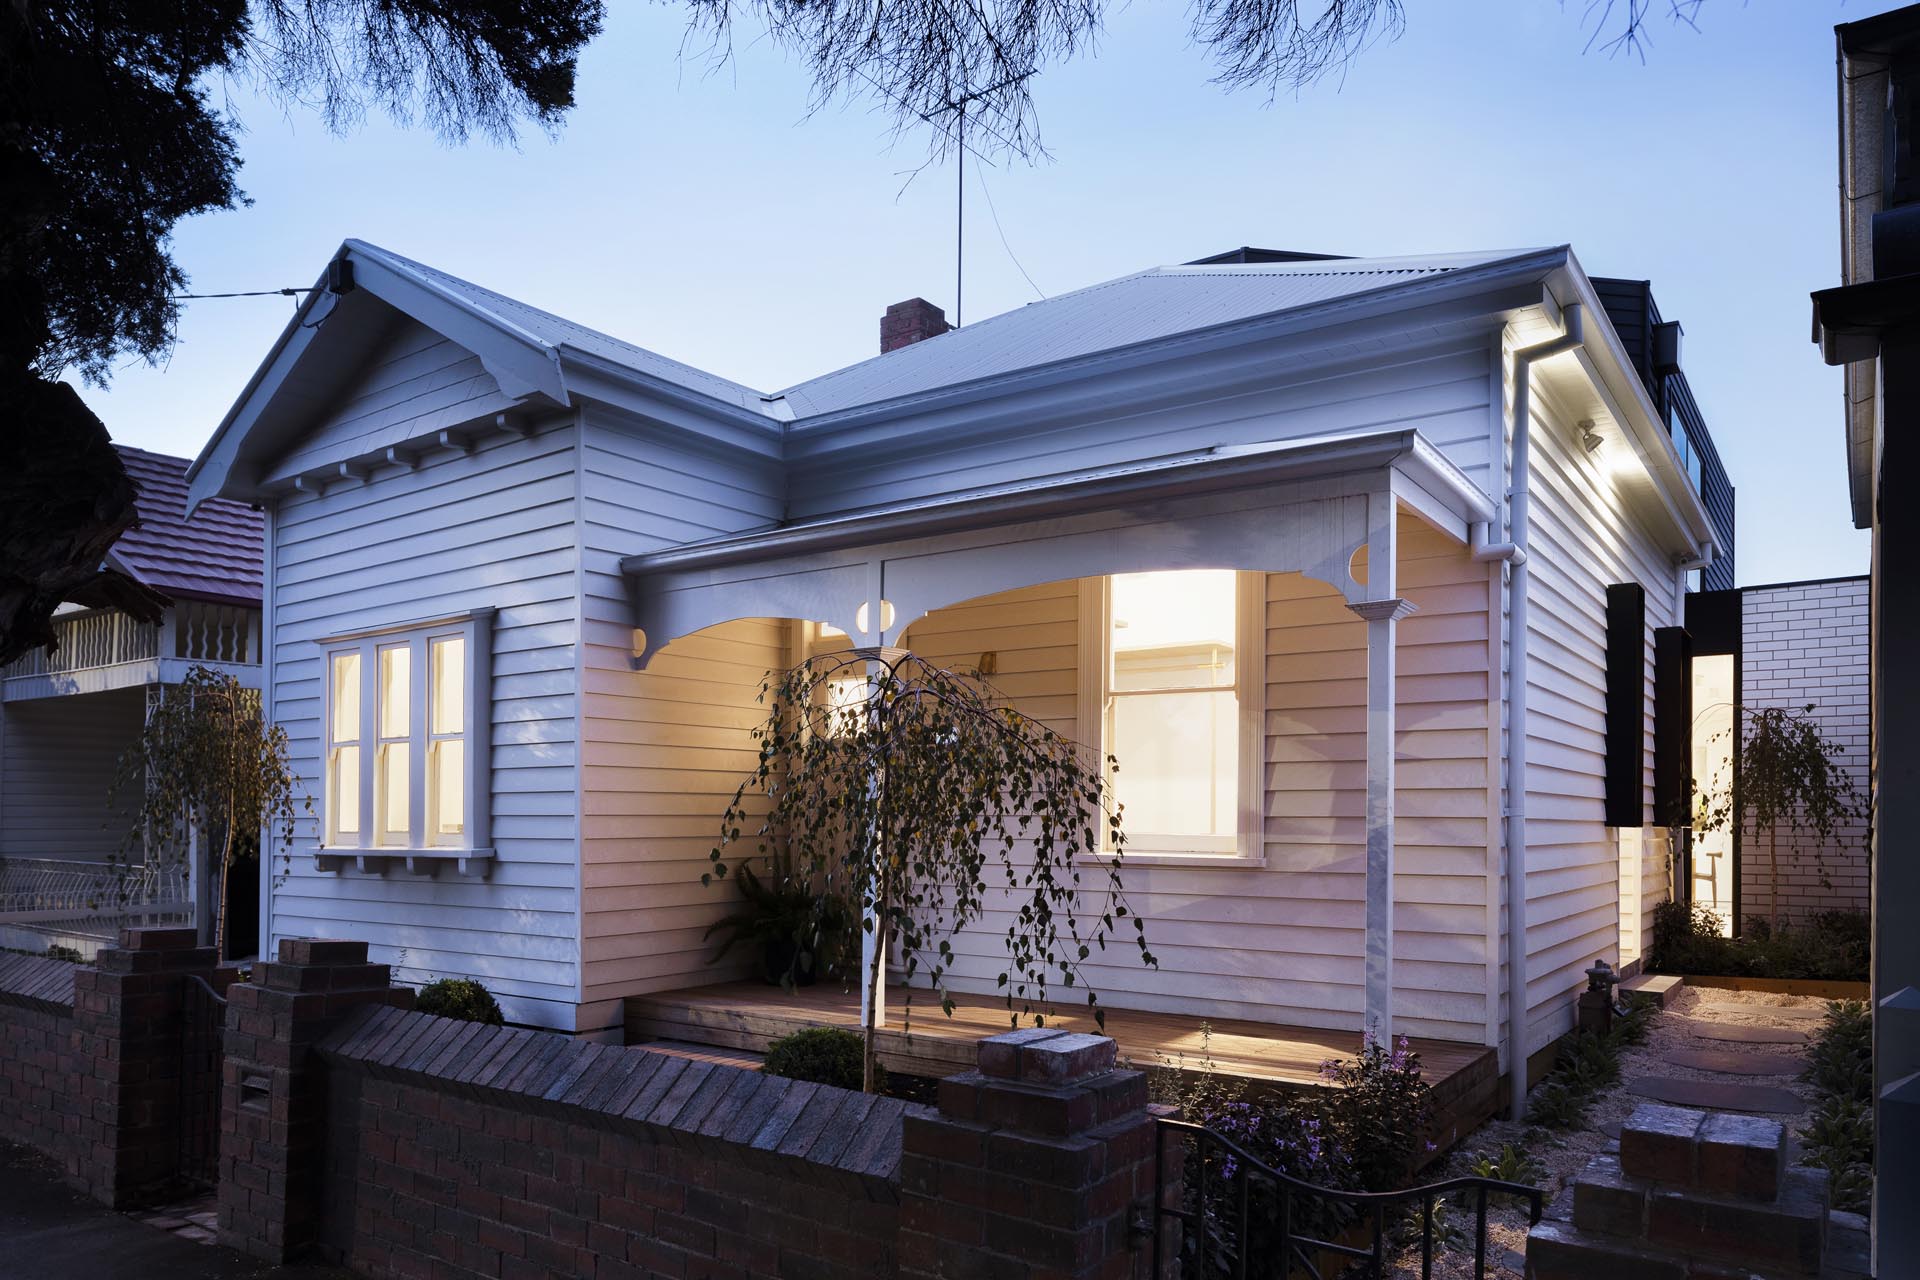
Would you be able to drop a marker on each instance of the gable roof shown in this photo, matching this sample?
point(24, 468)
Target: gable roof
point(1142, 307)
point(213, 556)
point(557, 332)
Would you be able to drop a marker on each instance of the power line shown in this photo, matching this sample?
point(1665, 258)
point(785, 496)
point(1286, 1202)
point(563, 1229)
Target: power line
point(250, 293)
point(1003, 235)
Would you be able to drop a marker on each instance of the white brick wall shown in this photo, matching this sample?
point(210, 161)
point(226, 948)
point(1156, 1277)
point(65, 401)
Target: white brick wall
point(1805, 644)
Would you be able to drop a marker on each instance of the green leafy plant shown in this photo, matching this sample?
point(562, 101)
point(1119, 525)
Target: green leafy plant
point(1555, 1104)
point(1380, 1111)
point(58, 952)
point(461, 998)
point(1511, 1164)
point(802, 934)
point(1839, 1132)
point(1827, 946)
point(1785, 774)
point(206, 761)
point(1631, 1027)
point(824, 1055)
point(901, 787)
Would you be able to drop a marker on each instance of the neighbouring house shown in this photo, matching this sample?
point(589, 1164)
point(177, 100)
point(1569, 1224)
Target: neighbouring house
point(1244, 523)
point(1793, 645)
point(1870, 324)
point(66, 716)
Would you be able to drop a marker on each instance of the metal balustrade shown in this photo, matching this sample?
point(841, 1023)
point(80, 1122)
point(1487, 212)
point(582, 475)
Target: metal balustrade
point(48, 885)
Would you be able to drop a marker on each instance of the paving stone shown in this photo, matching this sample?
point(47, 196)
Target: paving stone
point(1718, 1095)
point(1747, 1035)
point(1792, 1013)
point(1660, 988)
point(1742, 1156)
point(1658, 1142)
point(1735, 1064)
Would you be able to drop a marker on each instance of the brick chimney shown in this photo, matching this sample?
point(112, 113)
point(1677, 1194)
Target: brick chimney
point(911, 321)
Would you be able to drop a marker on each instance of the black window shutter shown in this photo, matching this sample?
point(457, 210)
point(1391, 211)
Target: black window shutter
point(1672, 727)
point(1626, 704)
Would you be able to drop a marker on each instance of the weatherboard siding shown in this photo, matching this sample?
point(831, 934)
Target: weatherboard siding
point(662, 749)
point(1442, 392)
point(418, 382)
point(1284, 942)
point(57, 760)
point(1579, 884)
point(491, 529)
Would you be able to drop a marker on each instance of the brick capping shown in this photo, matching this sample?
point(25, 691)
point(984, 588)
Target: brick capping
point(780, 1126)
point(37, 982)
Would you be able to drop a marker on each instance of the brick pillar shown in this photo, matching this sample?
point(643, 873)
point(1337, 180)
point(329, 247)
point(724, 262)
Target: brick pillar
point(126, 1025)
point(273, 1094)
point(1037, 1165)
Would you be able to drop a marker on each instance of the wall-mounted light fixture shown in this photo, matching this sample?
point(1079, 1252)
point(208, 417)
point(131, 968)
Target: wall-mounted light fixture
point(1590, 438)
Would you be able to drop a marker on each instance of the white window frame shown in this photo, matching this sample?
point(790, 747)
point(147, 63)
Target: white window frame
point(1250, 693)
point(420, 847)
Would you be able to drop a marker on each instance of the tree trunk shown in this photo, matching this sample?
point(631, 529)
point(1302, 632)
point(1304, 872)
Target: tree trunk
point(1773, 877)
point(220, 894)
point(878, 977)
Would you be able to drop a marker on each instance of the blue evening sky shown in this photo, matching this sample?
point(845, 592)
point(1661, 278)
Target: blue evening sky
point(705, 216)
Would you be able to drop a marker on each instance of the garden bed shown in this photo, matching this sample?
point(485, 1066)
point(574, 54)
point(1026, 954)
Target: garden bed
point(1818, 988)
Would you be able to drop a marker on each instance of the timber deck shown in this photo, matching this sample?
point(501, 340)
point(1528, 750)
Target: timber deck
point(748, 1016)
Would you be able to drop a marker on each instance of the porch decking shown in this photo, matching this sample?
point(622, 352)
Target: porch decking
point(750, 1015)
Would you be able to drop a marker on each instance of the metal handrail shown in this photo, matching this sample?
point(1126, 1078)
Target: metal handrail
point(1300, 1246)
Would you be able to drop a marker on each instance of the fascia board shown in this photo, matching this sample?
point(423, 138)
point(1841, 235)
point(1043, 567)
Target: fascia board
point(1130, 382)
point(1386, 301)
point(698, 418)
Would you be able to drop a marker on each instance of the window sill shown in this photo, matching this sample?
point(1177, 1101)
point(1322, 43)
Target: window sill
point(419, 862)
point(1157, 858)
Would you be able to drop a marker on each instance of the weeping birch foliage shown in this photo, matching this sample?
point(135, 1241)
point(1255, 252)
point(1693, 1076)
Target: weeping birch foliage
point(904, 788)
point(1786, 775)
point(208, 760)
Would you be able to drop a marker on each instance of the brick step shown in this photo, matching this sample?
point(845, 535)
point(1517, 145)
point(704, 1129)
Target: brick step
point(1785, 1237)
point(1710, 1151)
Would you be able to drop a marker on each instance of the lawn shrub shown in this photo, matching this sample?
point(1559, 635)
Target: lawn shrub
point(824, 1055)
point(461, 998)
point(1831, 946)
point(1586, 1064)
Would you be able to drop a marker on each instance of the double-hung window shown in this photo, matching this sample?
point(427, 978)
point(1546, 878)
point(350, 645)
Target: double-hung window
point(1172, 680)
point(406, 745)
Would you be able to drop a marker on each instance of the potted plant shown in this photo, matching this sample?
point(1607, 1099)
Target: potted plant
point(801, 933)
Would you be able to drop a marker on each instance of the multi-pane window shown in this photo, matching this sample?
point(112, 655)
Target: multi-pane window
point(401, 754)
point(1176, 679)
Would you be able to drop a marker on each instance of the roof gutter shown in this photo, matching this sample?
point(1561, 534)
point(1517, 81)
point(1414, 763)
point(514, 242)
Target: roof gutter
point(1514, 551)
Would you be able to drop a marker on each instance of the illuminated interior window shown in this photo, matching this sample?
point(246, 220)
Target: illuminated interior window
point(1712, 851)
point(447, 746)
point(1172, 708)
point(393, 778)
point(343, 748)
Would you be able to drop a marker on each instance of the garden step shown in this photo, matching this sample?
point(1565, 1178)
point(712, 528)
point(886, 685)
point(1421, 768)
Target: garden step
point(1718, 1095)
point(1785, 1236)
point(1793, 1013)
point(1736, 1064)
point(1660, 988)
point(1561, 1251)
point(1742, 1156)
point(1746, 1035)
point(1610, 1201)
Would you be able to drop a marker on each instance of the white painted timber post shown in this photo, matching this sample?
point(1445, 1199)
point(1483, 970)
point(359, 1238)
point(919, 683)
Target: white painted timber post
point(1382, 618)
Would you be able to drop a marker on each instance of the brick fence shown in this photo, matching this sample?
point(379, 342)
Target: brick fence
point(407, 1145)
point(90, 1060)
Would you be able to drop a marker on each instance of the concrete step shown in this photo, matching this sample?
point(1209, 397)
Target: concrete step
point(1660, 988)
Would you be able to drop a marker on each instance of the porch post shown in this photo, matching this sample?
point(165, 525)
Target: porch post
point(1382, 617)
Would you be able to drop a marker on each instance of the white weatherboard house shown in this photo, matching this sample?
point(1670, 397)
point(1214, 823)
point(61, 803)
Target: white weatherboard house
point(1244, 524)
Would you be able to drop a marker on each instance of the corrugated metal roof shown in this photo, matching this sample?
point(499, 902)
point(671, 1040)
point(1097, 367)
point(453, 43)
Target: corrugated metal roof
point(214, 556)
point(1120, 313)
point(557, 331)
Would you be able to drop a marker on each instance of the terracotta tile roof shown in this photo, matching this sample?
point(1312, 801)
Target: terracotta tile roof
point(214, 556)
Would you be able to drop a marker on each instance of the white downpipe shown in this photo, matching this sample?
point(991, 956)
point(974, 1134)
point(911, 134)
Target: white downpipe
point(1702, 560)
point(1519, 508)
point(1485, 552)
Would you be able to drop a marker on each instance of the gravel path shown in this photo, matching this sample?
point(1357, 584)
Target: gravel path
point(1561, 1155)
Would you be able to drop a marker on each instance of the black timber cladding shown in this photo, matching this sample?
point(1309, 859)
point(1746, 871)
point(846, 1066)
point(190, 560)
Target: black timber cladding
point(1631, 309)
point(1673, 726)
point(1626, 705)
